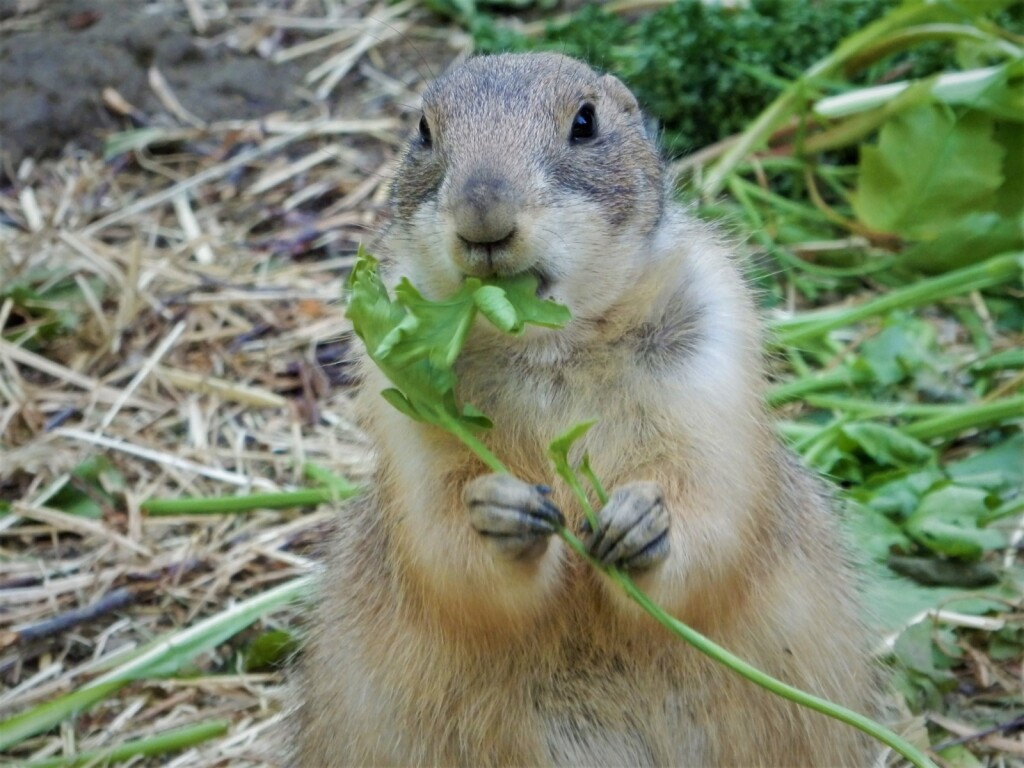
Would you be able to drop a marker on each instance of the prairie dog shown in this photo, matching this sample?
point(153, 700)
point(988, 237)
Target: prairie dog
point(453, 627)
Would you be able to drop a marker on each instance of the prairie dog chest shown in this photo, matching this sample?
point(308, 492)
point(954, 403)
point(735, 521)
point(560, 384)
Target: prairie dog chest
point(533, 402)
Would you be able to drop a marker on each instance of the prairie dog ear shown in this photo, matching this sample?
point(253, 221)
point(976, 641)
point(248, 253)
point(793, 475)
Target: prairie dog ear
point(617, 91)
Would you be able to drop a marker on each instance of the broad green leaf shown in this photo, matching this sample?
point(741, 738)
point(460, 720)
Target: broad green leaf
point(440, 327)
point(75, 502)
point(924, 670)
point(1012, 507)
point(899, 497)
point(1010, 196)
point(401, 403)
point(894, 600)
point(943, 571)
point(415, 341)
point(915, 648)
point(887, 445)
point(474, 415)
point(92, 484)
point(1007, 644)
point(495, 306)
point(874, 533)
point(905, 346)
point(521, 290)
point(370, 309)
point(929, 168)
point(383, 326)
point(1000, 467)
point(969, 239)
point(946, 522)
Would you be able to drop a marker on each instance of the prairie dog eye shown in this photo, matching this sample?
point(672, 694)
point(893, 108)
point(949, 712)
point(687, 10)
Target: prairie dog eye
point(584, 124)
point(424, 128)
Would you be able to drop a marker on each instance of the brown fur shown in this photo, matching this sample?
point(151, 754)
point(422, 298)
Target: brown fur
point(431, 648)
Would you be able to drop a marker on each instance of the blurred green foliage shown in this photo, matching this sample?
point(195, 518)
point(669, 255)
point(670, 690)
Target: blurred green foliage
point(705, 69)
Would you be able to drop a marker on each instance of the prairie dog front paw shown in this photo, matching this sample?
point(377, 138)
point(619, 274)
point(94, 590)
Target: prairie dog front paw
point(632, 528)
point(513, 516)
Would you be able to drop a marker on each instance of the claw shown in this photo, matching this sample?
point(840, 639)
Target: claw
point(515, 517)
point(632, 528)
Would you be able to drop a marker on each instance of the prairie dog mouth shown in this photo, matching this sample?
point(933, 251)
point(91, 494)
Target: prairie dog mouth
point(543, 282)
point(487, 246)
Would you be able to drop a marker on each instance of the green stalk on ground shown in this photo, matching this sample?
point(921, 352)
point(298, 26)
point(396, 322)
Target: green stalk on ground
point(987, 274)
point(161, 659)
point(332, 488)
point(219, 505)
point(152, 746)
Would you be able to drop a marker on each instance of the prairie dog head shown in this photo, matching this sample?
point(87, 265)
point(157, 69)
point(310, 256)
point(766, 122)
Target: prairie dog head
point(528, 162)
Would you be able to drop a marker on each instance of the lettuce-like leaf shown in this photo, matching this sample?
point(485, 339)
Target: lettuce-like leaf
point(415, 342)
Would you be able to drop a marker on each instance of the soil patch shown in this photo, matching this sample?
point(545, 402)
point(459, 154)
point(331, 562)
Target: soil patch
point(56, 61)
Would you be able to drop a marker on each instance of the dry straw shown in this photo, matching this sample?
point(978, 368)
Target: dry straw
point(173, 329)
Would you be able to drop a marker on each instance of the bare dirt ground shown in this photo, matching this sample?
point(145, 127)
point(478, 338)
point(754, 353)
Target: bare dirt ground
point(56, 63)
point(172, 328)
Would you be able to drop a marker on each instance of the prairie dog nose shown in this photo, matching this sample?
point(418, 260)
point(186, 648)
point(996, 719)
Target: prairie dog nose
point(484, 210)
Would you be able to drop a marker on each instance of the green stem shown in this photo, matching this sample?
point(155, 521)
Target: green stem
point(595, 482)
point(967, 417)
point(756, 676)
point(798, 389)
point(708, 647)
point(570, 478)
point(872, 409)
point(171, 741)
point(777, 201)
point(161, 658)
point(989, 273)
point(42, 717)
point(811, 448)
point(219, 505)
point(473, 443)
point(907, 38)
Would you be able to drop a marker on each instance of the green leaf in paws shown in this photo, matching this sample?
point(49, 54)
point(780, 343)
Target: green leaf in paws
point(474, 415)
point(392, 336)
point(401, 403)
point(521, 291)
point(495, 306)
point(437, 329)
point(415, 342)
point(558, 452)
